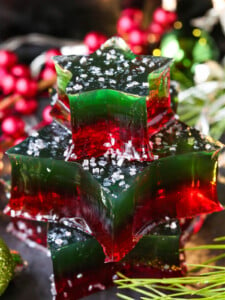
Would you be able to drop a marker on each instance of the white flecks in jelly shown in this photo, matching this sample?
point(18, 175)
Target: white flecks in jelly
point(172, 140)
point(113, 59)
point(173, 225)
point(70, 284)
point(39, 230)
point(90, 287)
point(122, 183)
point(83, 60)
point(35, 146)
point(59, 242)
point(99, 286)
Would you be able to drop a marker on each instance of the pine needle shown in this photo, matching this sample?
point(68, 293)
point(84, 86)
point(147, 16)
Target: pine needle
point(208, 285)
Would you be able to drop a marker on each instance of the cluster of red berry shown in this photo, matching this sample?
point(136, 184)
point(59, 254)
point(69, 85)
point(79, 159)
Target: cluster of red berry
point(21, 89)
point(18, 93)
point(130, 28)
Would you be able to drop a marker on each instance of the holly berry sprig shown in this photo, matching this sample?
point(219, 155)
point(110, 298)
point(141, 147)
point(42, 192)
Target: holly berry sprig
point(130, 28)
point(19, 92)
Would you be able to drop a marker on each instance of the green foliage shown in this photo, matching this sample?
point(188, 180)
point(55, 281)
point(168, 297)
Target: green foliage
point(203, 105)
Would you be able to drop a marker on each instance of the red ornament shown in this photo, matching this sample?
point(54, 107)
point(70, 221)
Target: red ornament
point(137, 37)
point(49, 55)
point(8, 84)
point(20, 70)
point(7, 59)
point(156, 28)
point(46, 114)
point(48, 73)
point(13, 126)
point(26, 107)
point(160, 16)
point(26, 87)
point(93, 40)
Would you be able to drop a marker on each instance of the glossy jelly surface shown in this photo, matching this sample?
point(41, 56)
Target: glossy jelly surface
point(78, 259)
point(116, 100)
point(125, 164)
point(114, 199)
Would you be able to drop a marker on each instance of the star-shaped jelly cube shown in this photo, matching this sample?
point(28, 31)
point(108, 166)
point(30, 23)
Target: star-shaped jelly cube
point(116, 99)
point(78, 259)
point(113, 66)
point(114, 199)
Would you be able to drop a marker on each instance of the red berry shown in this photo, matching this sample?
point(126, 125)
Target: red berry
point(13, 126)
point(20, 71)
point(125, 24)
point(134, 13)
point(26, 107)
point(160, 16)
point(137, 37)
point(48, 73)
point(49, 54)
point(26, 87)
point(8, 84)
point(137, 49)
point(156, 28)
point(7, 59)
point(93, 40)
point(46, 114)
point(171, 17)
point(3, 72)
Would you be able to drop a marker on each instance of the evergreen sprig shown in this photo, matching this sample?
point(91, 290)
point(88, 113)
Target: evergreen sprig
point(208, 285)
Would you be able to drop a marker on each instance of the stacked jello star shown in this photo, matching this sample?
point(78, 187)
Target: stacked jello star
point(116, 175)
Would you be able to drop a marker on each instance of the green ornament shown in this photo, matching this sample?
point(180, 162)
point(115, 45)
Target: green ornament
point(7, 266)
point(188, 47)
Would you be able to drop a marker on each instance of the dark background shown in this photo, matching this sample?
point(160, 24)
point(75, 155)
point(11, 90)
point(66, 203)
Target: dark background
point(61, 18)
point(74, 18)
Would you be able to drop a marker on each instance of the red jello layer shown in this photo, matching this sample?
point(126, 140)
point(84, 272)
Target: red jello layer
point(75, 286)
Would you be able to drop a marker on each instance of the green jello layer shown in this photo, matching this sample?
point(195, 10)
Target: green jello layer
point(75, 252)
point(113, 200)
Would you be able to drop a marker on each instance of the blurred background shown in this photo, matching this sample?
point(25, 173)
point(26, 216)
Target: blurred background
point(74, 19)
